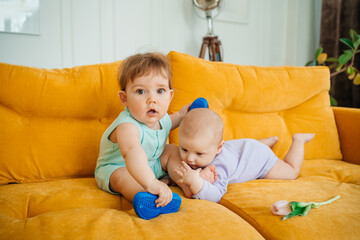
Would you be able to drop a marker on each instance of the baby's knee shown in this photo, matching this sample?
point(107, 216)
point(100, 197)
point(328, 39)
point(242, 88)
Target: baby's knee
point(292, 175)
point(282, 171)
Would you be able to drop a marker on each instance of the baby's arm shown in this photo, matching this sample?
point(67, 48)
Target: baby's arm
point(199, 188)
point(190, 177)
point(128, 139)
point(194, 178)
point(178, 116)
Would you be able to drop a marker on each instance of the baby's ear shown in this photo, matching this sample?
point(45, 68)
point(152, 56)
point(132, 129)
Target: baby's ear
point(123, 97)
point(220, 146)
point(171, 94)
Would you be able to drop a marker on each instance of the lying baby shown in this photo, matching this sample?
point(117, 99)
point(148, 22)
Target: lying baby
point(209, 163)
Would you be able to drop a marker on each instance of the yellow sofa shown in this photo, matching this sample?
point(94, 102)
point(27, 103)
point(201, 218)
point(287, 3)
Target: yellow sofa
point(51, 122)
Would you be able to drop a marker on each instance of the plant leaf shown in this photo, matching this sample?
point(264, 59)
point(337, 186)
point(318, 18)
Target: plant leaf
point(357, 43)
point(345, 57)
point(348, 42)
point(339, 66)
point(353, 35)
point(321, 58)
point(333, 101)
point(311, 63)
point(350, 70)
point(297, 210)
point(306, 210)
point(295, 205)
point(318, 51)
point(351, 76)
point(357, 79)
point(293, 213)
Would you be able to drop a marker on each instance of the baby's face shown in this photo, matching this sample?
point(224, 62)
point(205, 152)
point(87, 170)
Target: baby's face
point(198, 151)
point(148, 98)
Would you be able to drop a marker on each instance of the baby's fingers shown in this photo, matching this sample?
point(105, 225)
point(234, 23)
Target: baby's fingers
point(160, 200)
point(180, 173)
point(185, 166)
point(164, 199)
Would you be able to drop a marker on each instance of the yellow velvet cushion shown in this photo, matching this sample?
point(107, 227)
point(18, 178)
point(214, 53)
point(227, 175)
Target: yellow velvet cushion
point(52, 120)
point(348, 124)
point(319, 180)
point(258, 102)
point(48, 210)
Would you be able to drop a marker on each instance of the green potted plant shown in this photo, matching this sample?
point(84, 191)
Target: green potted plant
point(343, 64)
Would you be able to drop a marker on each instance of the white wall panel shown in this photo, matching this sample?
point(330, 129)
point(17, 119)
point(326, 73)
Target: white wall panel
point(66, 28)
point(86, 31)
point(107, 30)
point(78, 32)
point(42, 50)
point(132, 26)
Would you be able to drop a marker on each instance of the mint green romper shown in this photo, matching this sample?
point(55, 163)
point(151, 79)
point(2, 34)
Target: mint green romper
point(152, 141)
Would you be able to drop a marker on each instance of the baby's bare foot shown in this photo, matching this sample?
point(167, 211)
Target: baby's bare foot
point(270, 141)
point(303, 137)
point(212, 168)
point(273, 140)
point(209, 173)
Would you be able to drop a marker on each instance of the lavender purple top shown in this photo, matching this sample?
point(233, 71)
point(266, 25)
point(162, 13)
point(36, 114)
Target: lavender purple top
point(239, 161)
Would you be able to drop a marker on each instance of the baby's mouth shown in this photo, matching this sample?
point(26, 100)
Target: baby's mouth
point(152, 111)
point(193, 166)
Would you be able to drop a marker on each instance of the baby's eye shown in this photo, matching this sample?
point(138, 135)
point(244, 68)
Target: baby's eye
point(184, 150)
point(161, 90)
point(140, 91)
point(199, 154)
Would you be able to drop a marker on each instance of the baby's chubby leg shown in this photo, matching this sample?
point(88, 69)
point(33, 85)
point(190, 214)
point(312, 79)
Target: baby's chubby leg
point(290, 167)
point(122, 182)
point(270, 141)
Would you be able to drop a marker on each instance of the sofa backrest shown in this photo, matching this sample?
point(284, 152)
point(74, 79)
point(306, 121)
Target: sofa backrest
point(51, 121)
point(258, 102)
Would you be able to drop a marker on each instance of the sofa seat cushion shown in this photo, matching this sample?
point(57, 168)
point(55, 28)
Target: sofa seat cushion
point(319, 181)
point(67, 209)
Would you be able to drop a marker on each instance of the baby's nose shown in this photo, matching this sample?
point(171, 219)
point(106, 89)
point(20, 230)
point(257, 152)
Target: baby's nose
point(151, 98)
point(191, 158)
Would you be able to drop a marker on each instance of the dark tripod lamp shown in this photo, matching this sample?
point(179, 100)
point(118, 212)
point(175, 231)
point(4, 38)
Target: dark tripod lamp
point(210, 41)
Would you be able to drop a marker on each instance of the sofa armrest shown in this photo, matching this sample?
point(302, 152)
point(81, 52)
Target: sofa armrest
point(348, 125)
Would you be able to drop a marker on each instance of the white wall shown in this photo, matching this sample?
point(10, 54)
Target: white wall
point(78, 32)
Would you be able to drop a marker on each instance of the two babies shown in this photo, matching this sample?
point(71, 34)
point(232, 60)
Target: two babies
point(134, 154)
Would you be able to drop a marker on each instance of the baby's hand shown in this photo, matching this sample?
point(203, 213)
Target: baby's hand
point(209, 173)
point(162, 190)
point(190, 177)
point(187, 174)
point(184, 110)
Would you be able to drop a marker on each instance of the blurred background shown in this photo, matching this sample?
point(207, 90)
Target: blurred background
point(67, 33)
point(78, 32)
